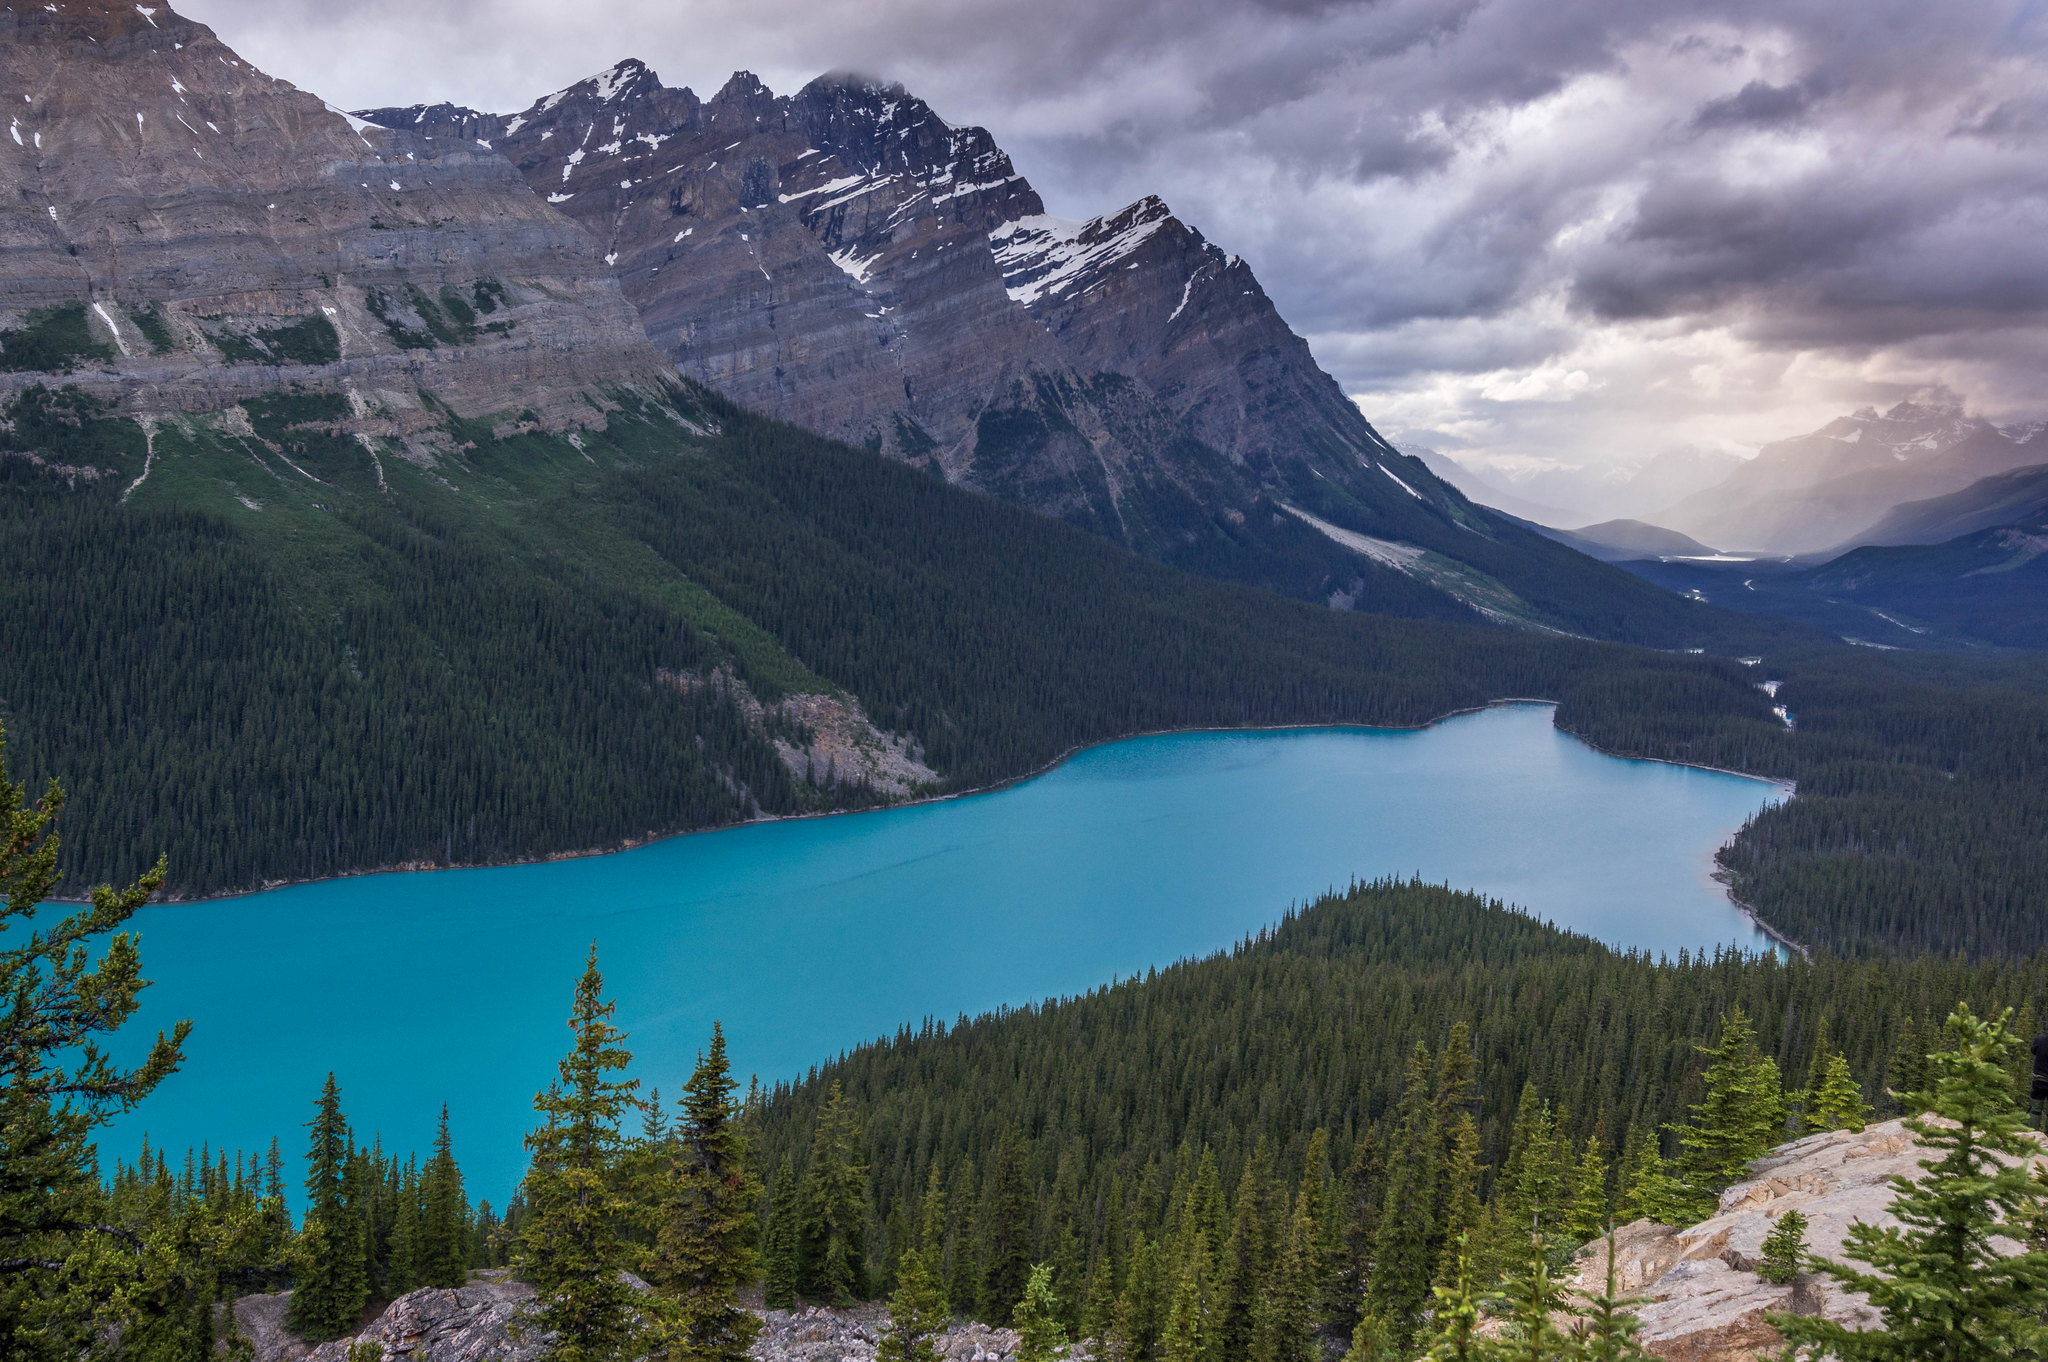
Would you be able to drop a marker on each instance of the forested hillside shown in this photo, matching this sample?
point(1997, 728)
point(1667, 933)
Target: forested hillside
point(276, 655)
point(1079, 1132)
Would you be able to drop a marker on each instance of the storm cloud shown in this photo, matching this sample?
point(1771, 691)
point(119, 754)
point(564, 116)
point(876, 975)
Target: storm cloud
point(1534, 231)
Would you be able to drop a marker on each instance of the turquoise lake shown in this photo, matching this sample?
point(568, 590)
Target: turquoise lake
point(807, 936)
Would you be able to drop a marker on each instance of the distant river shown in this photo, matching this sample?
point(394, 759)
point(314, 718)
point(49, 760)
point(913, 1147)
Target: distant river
point(811, 935)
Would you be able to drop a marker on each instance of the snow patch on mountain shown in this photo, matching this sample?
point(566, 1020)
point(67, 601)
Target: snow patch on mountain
point(1043, 256)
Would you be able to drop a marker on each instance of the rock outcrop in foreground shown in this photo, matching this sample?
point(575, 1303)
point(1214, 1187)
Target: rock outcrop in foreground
point(472, 1325)
point(1707, 1303)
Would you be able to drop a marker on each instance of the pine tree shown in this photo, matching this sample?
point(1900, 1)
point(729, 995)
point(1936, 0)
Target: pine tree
point(1141, 1307)
point(1586, 1214)
point(1460, 1213)
point(66, 991)
point(1006, 1216)
point(1244, 1264)
point(1784, 1249)
point(1402, 1267)
point(1457, 1315)
point(917, 1313)
point(1098, 1317)
point(1533, 1298)
point(1364, 1197)
point(1741, 1116)
point(570, 1249)
point(332, 1282)
point(1185, 1335)
point(1943, 1291)
point(832, 1209)
point(403, 1272)
point(1290, 1305)
point(779, 1269)
point(705, 1207)
point(1907, 1076)
point(1606, 1328)
point(1839, 1104)
point(1649, 1189)
point(1041, 1336)
point(444, 1232)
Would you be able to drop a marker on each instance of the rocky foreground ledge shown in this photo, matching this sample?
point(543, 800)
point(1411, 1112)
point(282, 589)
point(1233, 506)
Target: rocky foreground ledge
point(1706, 1302)
point(470, 1324)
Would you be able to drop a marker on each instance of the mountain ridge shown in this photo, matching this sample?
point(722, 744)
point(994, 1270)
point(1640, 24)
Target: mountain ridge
point(844, 259)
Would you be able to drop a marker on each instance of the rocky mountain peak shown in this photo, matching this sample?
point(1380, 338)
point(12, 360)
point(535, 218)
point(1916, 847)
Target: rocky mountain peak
point(199, 231)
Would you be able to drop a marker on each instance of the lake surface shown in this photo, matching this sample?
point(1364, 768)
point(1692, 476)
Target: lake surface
point(808, 936)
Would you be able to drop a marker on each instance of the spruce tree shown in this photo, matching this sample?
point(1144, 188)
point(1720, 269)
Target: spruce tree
point(1944, 1292)
point(444, 1221)
point(1586, 1212)
point(1098, 1316)
point(68, 982)
point(1533, 1298)
point(571, 1250)
point(1290, 1305)
point(779, 1266)
point(917, 1313)
point(1649, 1189)
point(832, 1209)
point(1457, 1316)
point(1006, 1216)
point(1184, 1336)
point(1907, 1077)
point(706, 1228)
point(1364, 1197)
point(332, 1282)
point(1741, 1116)
point(1142, 1305)
point(1402, 1267)
point(402, 1274)
point(1839, 1104)
point(1041, 1336)
point(1606, 1328)
point(1244, 1265)
point(1460, 1212)
point(1784, 1249)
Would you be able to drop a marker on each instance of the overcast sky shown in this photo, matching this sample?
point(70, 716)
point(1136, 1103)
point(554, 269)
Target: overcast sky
point(1531, 232)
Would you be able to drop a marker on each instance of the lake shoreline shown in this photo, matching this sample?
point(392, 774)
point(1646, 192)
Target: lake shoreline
point(635, 844)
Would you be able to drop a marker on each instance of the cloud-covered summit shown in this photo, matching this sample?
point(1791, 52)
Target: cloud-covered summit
point(1530, 230)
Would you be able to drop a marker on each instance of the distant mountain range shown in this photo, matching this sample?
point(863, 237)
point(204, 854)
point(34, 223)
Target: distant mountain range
point(1567, 496)
point(1829, 489)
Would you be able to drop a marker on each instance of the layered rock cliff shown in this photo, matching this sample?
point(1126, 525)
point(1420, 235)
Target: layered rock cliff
point(181, 231)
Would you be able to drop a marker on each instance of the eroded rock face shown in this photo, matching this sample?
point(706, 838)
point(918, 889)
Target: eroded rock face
point(217, 233)
point(1707, 1303)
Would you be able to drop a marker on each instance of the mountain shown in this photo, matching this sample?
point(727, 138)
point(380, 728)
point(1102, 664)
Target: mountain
point(1988, 588)
point(844, 259)
point(1572, 494)
point(185, 232)
point(1826, 489)
point(1617, 541)
point(2017, 497)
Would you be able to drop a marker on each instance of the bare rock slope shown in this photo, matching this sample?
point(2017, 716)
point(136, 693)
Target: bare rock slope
point(182, 231)
point(1707, 1303)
